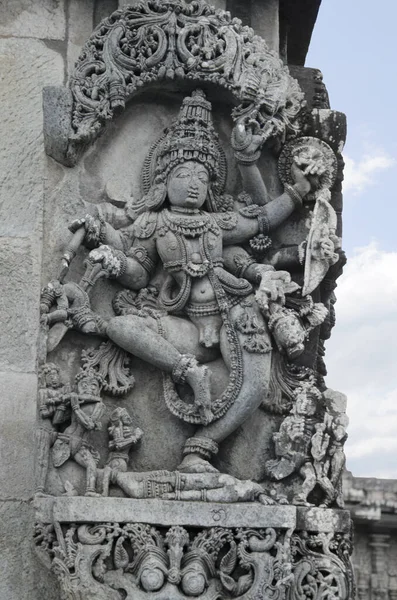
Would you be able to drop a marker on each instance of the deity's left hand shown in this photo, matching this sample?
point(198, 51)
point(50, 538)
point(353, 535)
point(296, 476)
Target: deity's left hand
point(306, 171)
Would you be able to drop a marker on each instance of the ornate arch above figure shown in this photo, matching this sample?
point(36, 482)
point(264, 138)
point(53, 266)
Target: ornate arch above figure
point(158, 41)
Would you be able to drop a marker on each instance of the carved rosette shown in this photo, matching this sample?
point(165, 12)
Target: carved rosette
point(137, 561)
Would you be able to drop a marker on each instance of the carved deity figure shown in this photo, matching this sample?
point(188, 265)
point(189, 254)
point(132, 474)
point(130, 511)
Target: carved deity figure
point(205, 487)
point(87, 410)
point(337, 458)
point(53, 411)
point(208, 308)
point(315, 471)
point(122, 436)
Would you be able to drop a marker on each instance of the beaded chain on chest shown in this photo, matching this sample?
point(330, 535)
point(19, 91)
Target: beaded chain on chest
point(190, 225)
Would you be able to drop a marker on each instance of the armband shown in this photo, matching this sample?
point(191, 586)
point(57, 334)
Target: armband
point(141, 255)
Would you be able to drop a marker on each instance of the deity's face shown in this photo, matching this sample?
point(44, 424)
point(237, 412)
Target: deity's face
point(52, 378)
point(88, 386)
point(126, 419)
point(187, 185)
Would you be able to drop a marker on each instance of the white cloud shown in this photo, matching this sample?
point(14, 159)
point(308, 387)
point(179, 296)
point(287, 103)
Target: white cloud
point(362, 358)
point(361, 173)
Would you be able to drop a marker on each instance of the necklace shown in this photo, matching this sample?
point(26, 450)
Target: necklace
point(190, 225)
point(185, 210)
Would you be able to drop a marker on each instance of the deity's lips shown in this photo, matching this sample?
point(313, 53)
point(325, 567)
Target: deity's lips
point(192, 199)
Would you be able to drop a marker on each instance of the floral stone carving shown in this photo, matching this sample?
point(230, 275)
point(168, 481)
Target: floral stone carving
point(182, 335)
point(138, 560)
point(155, 42)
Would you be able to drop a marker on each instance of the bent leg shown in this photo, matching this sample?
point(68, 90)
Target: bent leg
point(133, 334)
point(138, 336)
point(85, 459)
point(254, 364)
point(256, 369)
point(308, 485)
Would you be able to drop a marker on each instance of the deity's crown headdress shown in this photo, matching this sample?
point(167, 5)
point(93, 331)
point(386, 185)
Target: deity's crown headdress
point(89, 374)
point(192, 136)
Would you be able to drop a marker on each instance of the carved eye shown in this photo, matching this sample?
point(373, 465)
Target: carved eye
point(182, 174)
point(203, 177)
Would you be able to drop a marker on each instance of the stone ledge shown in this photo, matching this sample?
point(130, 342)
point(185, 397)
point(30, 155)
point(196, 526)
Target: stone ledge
point(190, 514)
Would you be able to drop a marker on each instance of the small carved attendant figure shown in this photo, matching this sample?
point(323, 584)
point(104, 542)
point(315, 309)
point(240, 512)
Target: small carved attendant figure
point(315, 469)
point(337, 455)
point(292, 441)
point(122, 437)
point(185, 222)
point(52, 408)
point(87, 411)
point(63, 306)
point(320, 445)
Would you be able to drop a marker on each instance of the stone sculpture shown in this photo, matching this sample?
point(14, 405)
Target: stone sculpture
point(52, 406)
point(205, 296)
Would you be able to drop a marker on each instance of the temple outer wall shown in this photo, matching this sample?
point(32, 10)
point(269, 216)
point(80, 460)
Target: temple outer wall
point(39, 42)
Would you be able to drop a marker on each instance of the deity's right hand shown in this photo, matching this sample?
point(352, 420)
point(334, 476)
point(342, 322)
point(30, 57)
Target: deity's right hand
point(247, 140)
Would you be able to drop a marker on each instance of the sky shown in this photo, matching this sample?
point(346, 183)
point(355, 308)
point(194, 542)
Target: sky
point(355, 47)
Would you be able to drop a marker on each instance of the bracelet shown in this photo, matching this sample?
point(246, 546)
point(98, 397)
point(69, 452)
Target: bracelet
point(240, 145)
point(302, 252)
point(123, 262)
point(242, 263)
point(263, 223)
point(293, 194)
point(185, 362)
point(102, 231)
point(244, 159)
point(141, 255)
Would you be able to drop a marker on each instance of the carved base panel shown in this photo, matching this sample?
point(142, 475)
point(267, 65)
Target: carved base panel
point(122, 549)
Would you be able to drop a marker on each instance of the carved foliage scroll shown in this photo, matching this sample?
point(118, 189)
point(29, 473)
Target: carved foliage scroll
point(160, 41)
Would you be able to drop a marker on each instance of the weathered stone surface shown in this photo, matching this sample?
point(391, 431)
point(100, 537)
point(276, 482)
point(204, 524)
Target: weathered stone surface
point(311, 82)
point(322, 520)
point(18, 400)
point(19, 303)
point(265, 21)
point(28, 18)
point(57, 115)
point(80, 25)
point(163, 512)
point(26, 66)
point(22, 576)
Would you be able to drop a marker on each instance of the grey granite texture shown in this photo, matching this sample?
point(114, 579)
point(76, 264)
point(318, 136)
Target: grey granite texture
point(168, 513)
point(26, 67)
point(31, 19)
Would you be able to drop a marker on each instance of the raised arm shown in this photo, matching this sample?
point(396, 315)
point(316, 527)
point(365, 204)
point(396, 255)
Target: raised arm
point(133, 265)
point(98, 232)
point(247, 140)
point(255, 219)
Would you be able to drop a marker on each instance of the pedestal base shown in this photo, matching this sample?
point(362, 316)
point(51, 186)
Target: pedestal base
point(122, 549)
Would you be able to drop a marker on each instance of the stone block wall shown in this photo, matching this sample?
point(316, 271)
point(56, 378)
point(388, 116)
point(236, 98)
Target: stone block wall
point(38, 42)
